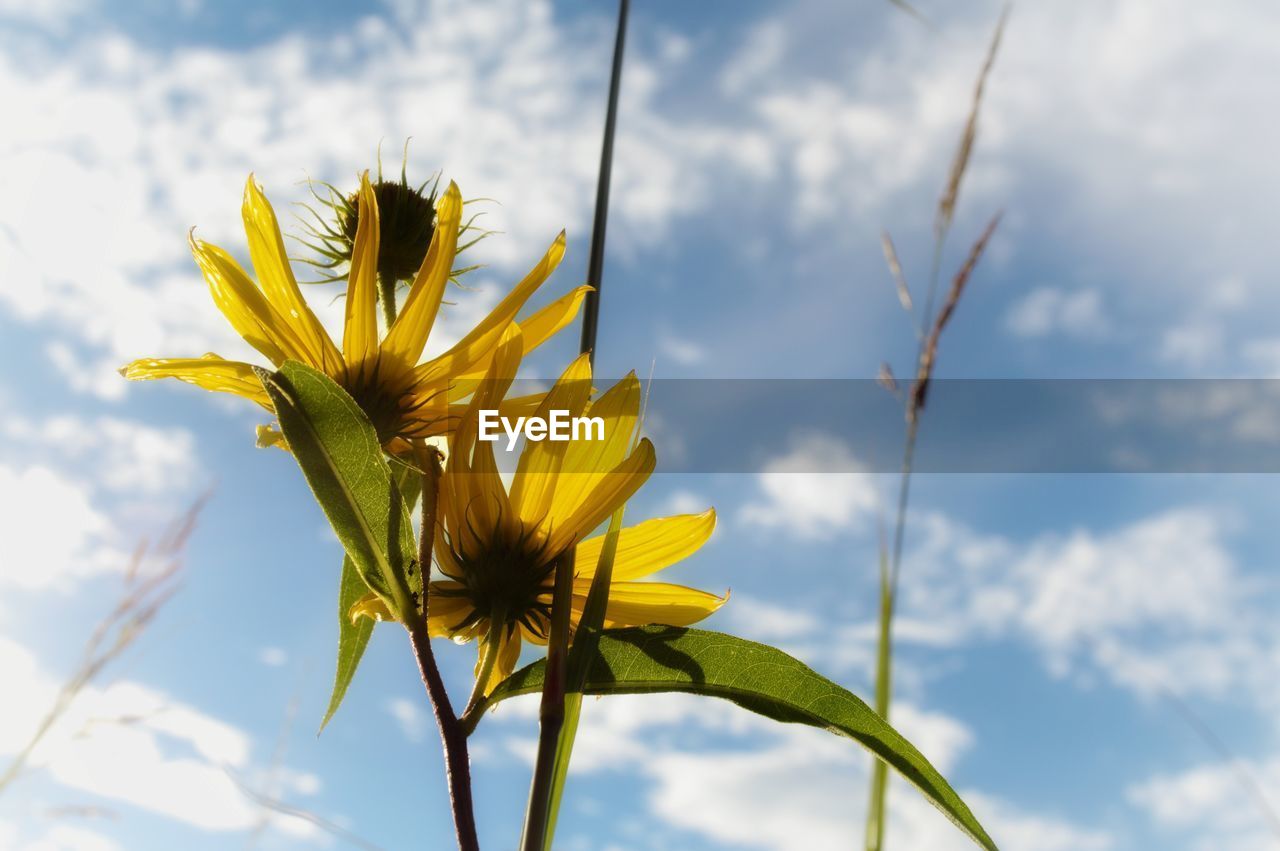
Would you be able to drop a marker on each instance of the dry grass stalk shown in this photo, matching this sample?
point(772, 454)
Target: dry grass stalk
point(960, 164)
point(140, 601)
point(273, 804)
point(891, 559)
point(929, 354)
point(910, 10)
point(895, 269)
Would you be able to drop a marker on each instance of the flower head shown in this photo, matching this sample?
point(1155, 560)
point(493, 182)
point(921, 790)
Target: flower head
point(407, 219)
point(404, 398)
point(498, 549)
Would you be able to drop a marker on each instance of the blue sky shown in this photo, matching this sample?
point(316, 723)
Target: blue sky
point(763, 146)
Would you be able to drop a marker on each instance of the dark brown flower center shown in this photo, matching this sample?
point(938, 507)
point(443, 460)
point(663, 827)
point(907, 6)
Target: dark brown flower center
point(505, 579)
point(407, 221)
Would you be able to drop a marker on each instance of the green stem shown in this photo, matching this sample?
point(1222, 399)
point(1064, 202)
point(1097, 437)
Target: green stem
point(551, 713)
point(890, 568)
point(884, 674)
point(492, 647)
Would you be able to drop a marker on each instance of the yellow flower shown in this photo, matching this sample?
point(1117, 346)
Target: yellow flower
point(497, 549)
point(405, 399)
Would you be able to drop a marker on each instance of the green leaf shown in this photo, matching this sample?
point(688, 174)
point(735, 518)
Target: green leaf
point(352, 637)
point(763, 679)
point(581, 652)
point(338, 450)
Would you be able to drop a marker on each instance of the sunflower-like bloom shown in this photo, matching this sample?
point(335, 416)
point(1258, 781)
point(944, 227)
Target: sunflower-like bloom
point(497, 549)
point(404, 399)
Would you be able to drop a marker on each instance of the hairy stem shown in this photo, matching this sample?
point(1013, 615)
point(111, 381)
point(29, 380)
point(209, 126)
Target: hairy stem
point(457, 764)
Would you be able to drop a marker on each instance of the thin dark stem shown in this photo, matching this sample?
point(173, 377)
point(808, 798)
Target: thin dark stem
point(457, 764)
point(595, 264)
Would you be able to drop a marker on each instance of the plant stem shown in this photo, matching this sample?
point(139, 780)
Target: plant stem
point(457, 765)
point(539, 820)
point(595, 262)
point(387, 295)
point(890, 566)
point(492, 647)
point(551, 713)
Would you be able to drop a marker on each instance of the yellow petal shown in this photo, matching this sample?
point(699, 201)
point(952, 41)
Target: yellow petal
point(444, 553)
point(640, 603)
point(587, 462)
point(269, 436)
point(547, 322)
point(508, 656)
point(360, 330)
point(244, 305)
point(370, 606)
point(535, 479)
point(471, 360)
point(445, 613)
point(271, 264)
point(210, 372)
point(474, 351)
point(650, 546)
point(613, 489)
point(479, 498)
point(408, 336)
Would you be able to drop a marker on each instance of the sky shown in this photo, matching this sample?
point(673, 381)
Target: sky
point(1091, 659)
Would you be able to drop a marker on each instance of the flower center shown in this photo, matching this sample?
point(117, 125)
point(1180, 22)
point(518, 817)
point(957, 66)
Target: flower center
point(378, 398)
point(506, 579)
point(407, 220)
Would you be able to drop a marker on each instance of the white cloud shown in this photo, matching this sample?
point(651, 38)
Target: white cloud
point(51, 15)
point(1263, 355)
point(1051, 310)
point(410, 717)
point(127, 456)
point(1194, 343)
point(767, 621)
point(273, 657)
point(75, 489)
point(131, 743)
point(1214, 806)
point(52, 532)
point(68, 838)
point(682, 351)
point(777, 786)
point(1156, 605)
point(814, 491)
point(1090, 593)
point(756, 60)
point(99, 193)
point(1107, 144)
point(683, 502)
